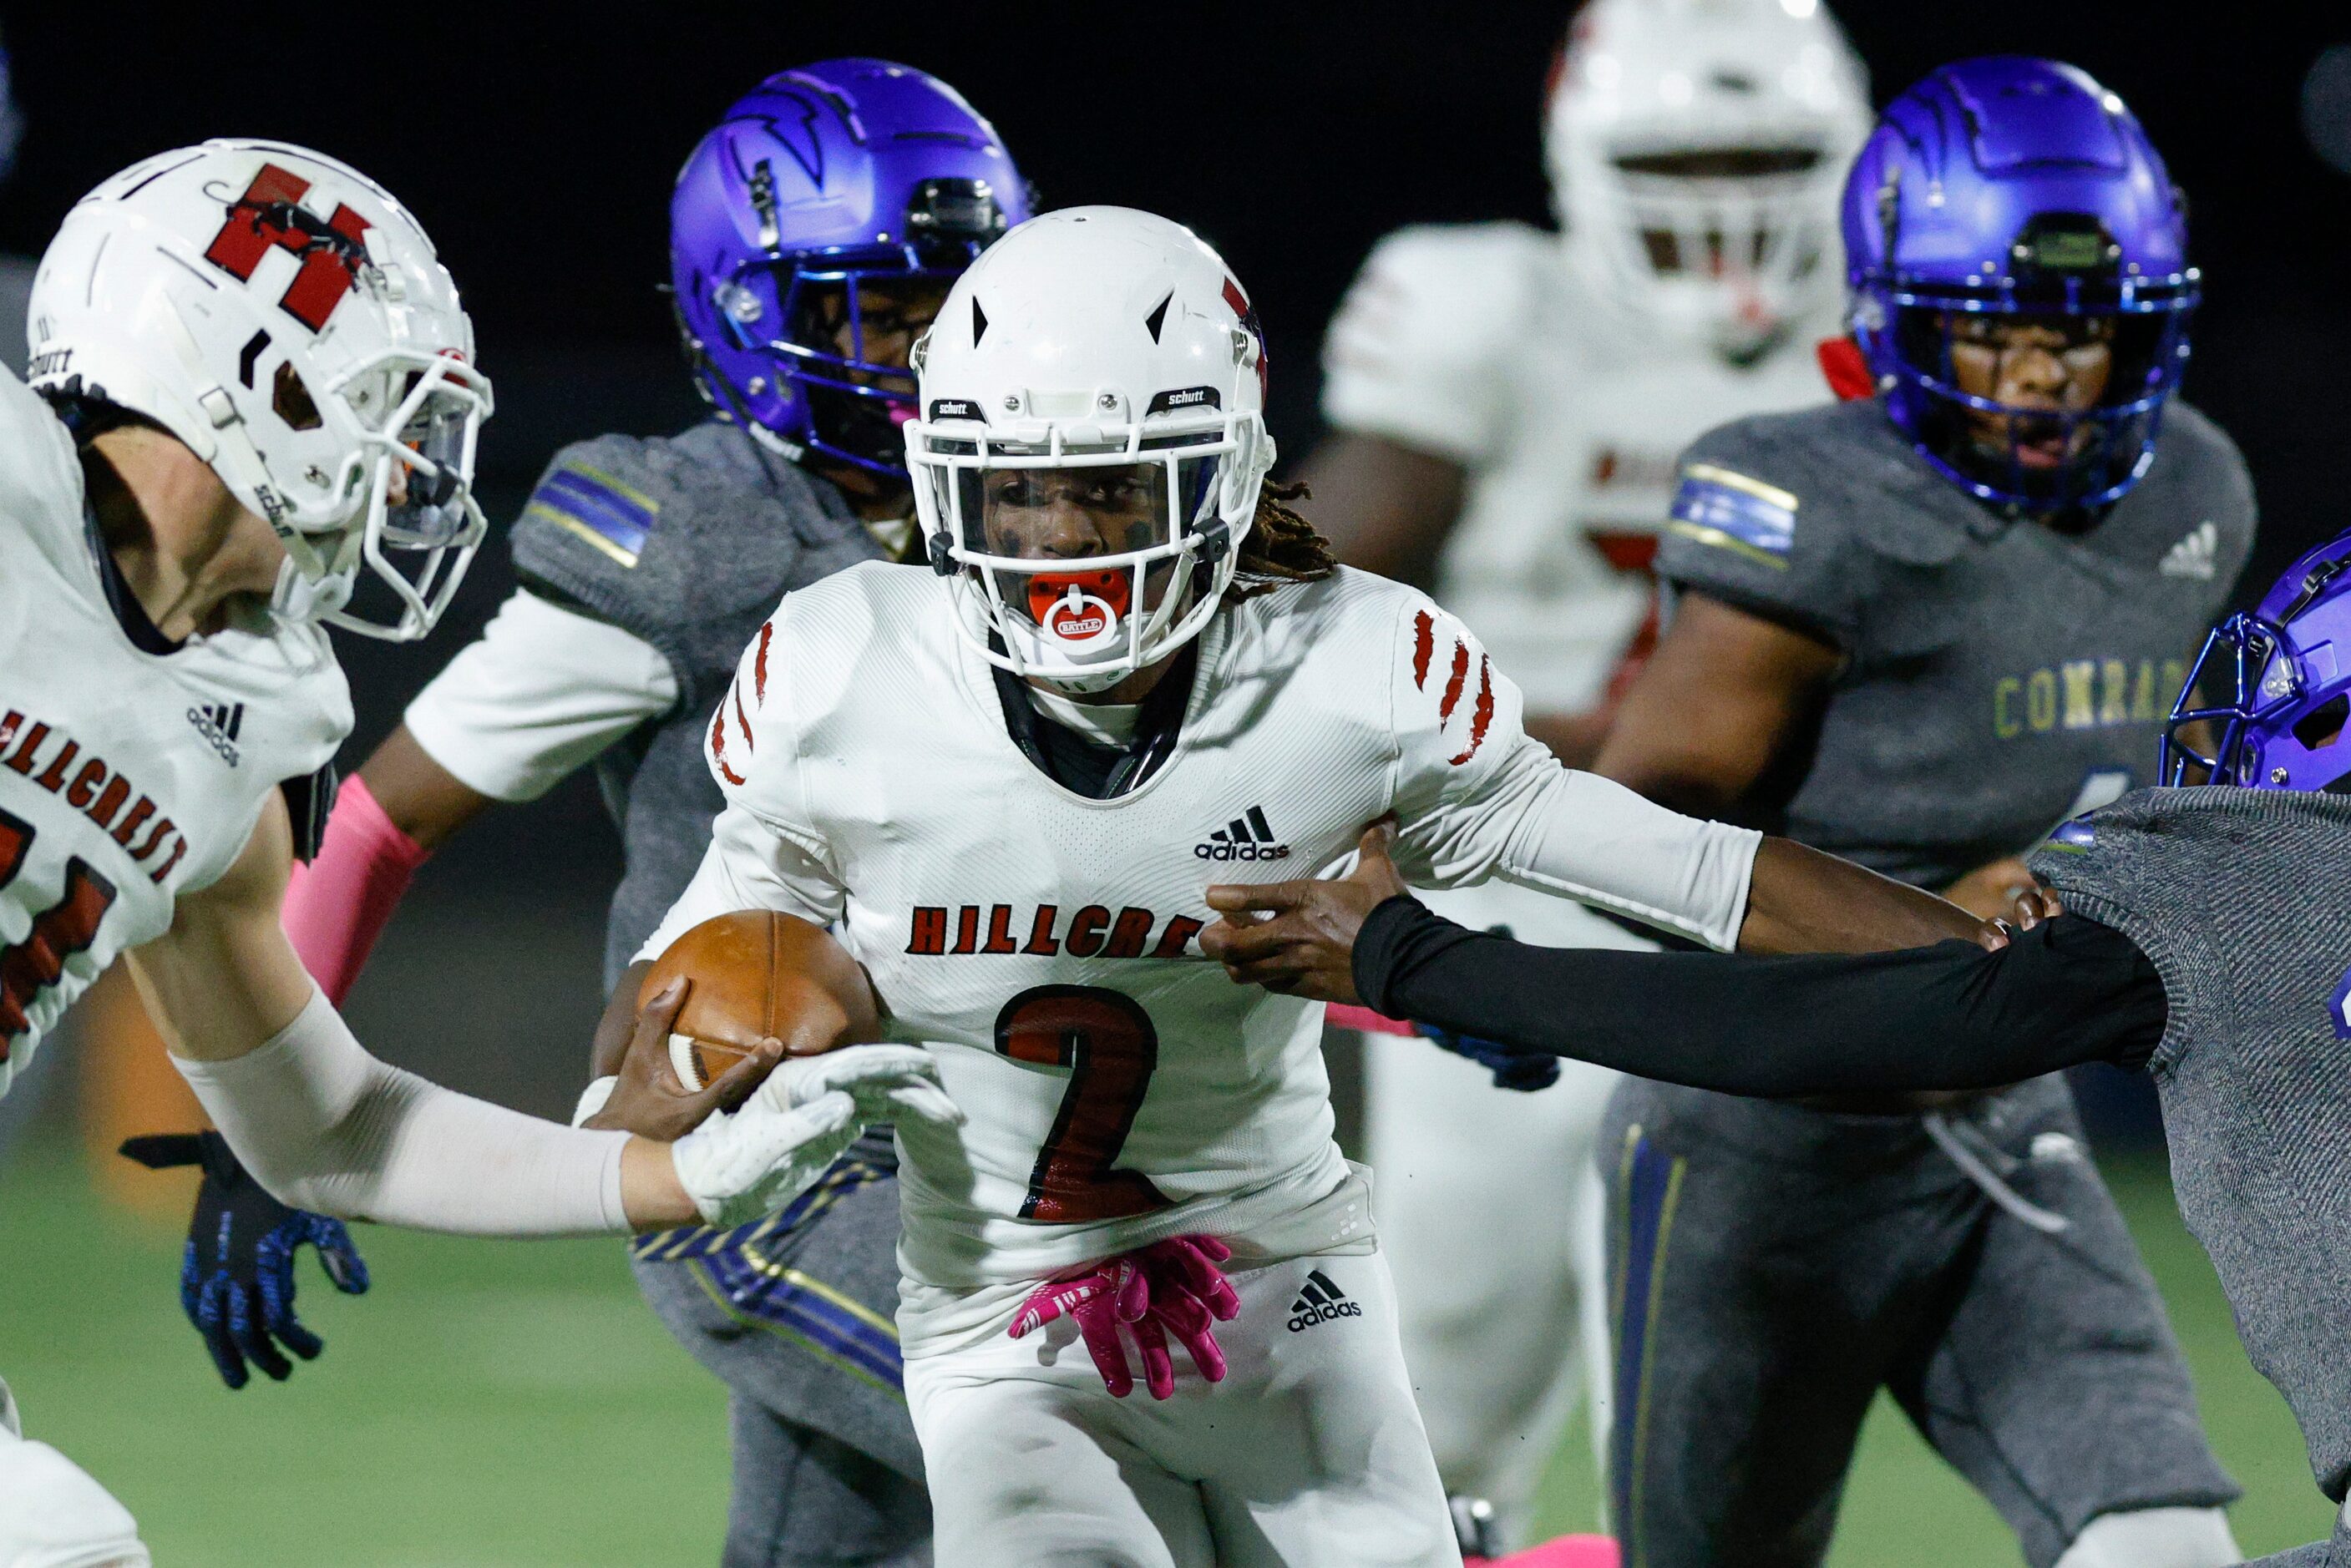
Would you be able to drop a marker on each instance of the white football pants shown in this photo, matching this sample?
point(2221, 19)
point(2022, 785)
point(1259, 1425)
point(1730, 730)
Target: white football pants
point(1490, 1209)
point(52, 1513)
point(1307, 1455)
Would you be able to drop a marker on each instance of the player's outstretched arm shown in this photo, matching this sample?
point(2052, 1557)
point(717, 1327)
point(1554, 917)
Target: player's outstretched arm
point(1715, 707)
point(1800, 900)
point(1476, 798)
point(324, 1125)
point(1954, 1016)
point(1299, 936)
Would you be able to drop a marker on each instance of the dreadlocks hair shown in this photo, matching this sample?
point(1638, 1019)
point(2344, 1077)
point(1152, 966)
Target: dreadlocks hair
point(1280, 547)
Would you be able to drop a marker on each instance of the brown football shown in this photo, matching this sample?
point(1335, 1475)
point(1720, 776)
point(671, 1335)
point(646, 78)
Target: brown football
point(757, 973)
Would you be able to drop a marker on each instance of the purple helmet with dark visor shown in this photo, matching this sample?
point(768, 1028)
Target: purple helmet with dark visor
point(2008, 191)
point(819, 185)
point(2273, 688)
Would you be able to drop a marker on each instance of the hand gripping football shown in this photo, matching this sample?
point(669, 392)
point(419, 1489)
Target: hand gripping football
point(757, 973)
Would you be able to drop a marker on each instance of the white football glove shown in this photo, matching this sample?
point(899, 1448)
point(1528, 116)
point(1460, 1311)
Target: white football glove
point(752, 1162)
point(739, 1167)
point(889, 1083)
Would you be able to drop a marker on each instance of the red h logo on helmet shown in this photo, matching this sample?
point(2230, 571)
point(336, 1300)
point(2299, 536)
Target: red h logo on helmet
point(269, 215)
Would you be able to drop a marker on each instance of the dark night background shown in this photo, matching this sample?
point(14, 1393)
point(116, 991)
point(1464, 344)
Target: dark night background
point(537, 147)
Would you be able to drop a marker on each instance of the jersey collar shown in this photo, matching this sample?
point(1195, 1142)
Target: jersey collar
point(129, 613)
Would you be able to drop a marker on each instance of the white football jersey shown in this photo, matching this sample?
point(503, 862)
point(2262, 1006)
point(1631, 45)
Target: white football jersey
point(1481, 343)
point(541, 693)
point(1043, 944)
point(127, 777)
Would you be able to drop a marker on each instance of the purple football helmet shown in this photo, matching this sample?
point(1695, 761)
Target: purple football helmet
point(2285, 670)
point(820, 181)
point(2017, 188)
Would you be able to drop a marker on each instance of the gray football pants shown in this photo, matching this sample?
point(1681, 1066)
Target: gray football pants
point(1772, 1267)
point(826, 1470)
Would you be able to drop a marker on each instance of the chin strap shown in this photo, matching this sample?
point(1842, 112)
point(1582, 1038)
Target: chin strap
point(299, 596)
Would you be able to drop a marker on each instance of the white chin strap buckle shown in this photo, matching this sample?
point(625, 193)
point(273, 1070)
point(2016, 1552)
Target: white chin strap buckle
point(300, 597)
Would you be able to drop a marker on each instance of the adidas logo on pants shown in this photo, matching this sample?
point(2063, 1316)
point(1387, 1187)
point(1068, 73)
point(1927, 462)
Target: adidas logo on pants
point(1321, 1302)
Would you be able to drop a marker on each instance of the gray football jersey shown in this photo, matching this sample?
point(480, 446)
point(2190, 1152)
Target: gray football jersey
point(2242, 899)
point(686, 541)
point(1999, 676)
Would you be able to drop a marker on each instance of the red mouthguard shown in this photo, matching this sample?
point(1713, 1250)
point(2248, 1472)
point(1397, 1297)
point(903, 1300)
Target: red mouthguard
point(1050, 607)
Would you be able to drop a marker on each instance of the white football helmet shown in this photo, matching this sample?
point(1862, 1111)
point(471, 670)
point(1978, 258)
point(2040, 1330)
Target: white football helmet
point(1095, 361)
point(284, 316)
point(1696, 151)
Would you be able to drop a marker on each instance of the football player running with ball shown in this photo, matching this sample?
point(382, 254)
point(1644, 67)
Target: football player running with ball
point(1001, 774)
point(1920, 628)
point(253, 413)
point(1507, 406)
point(813, 233)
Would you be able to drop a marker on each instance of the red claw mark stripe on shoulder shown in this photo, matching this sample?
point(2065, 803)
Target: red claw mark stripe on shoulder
point(718, 746)
point(1454, 682)
point(1481, 714)
point(733, 703)
point(750, 742)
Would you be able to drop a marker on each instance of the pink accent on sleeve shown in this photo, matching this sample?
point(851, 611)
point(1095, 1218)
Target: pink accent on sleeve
point(1566, 1552)
point(1347, 1015)
point(338, 905)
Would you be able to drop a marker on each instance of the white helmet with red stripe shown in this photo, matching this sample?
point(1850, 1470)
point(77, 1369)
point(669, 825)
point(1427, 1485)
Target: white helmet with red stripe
point(1090, 442)
point(284, 316)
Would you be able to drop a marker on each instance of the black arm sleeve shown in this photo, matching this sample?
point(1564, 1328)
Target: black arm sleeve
point(1950, 1016)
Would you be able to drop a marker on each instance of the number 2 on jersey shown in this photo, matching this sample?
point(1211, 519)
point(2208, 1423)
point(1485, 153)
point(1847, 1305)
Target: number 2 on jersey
point(1107, 1042)
point(60, 931)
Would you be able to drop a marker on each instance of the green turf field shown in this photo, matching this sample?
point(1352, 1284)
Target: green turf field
point(514, 1405)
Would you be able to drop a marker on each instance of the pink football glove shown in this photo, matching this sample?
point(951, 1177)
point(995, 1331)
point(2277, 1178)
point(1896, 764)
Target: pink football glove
point(1169, 1285)
point(1099, 1300)
point(1189, 1296)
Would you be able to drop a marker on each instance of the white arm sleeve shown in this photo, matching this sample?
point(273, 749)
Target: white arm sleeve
point(542, 691)
point(1593, 840)
point(1476, 798)
point(326, 1126)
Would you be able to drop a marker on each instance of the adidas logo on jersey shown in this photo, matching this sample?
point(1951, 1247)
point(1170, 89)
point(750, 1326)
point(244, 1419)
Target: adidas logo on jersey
point(219, 723)
point(1246, 837)
point(1321, 1302)
point(2197, 555)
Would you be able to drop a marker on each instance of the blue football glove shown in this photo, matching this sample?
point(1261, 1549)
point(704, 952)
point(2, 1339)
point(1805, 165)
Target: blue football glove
point(1525, 1071)
point(237, 1276)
